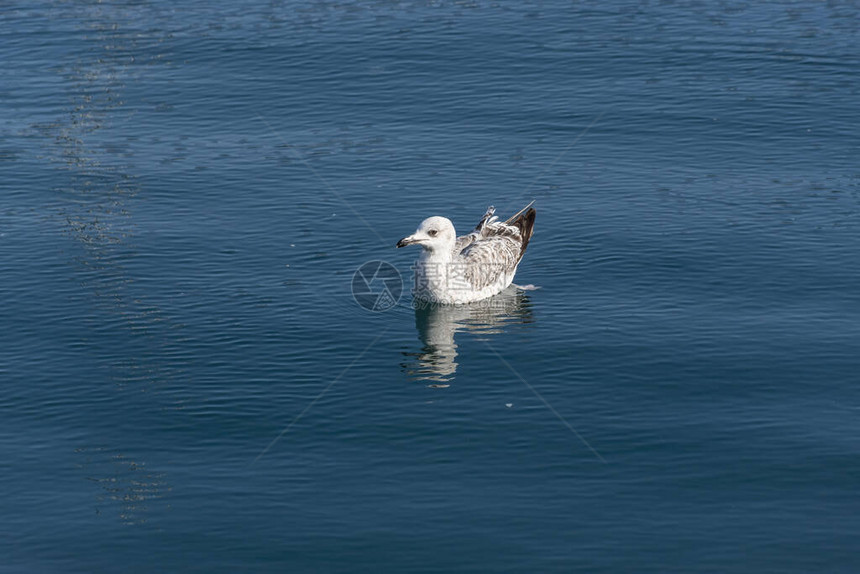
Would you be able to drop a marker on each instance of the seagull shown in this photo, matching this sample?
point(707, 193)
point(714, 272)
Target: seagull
point(453, 270)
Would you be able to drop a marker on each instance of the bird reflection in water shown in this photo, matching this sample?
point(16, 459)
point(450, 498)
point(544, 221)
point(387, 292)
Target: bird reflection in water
point(437, 326)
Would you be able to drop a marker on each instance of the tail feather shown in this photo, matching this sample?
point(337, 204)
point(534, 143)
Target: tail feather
point(488, 216)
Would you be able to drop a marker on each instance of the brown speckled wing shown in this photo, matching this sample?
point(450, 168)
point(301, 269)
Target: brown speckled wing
point(494, 248)
point(485, 260)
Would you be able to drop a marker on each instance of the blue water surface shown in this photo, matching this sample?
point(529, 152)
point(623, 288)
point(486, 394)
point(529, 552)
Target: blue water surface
point(187, 188)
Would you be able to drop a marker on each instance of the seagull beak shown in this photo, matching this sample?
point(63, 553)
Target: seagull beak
point(407, 241)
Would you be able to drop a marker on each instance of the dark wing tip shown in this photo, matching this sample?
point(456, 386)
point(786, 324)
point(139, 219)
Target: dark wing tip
point(525, 222)
point(514, 217)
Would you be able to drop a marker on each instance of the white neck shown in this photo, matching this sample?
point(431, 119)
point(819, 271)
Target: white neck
point(437, 255)
point(431, 273)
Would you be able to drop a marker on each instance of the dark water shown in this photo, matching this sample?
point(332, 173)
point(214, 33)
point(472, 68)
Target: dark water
point(188, 385)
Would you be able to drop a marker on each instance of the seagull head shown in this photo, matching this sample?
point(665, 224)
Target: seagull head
point(433, 234)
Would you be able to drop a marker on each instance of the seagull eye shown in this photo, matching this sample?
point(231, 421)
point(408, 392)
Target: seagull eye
point(432, 233)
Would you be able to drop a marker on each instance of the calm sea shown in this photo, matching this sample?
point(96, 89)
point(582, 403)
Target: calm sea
point(188, 385)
